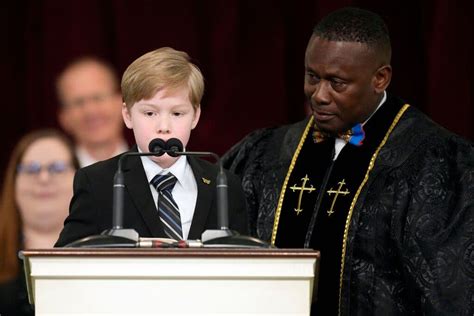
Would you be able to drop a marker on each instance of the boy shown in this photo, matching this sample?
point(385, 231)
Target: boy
point(171, 197)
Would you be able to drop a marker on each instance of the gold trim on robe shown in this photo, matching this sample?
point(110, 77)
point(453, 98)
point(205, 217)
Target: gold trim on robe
point(287, 178)
point(356, 196)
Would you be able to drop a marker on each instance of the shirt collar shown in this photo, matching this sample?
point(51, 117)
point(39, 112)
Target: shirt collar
point(151, 168)
point(340, 143)
point(384, 98)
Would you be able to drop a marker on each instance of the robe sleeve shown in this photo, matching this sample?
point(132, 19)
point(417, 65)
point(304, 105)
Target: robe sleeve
point(436, 240)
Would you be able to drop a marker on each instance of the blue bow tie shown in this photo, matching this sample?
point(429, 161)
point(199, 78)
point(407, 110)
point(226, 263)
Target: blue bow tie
point(354, 136)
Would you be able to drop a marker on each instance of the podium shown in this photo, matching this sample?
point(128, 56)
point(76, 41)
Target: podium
point(190, 281)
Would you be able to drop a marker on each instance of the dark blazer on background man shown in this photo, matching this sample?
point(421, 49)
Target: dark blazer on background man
point(91, 206)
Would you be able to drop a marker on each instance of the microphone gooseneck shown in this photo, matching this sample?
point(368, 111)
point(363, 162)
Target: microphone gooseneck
point(174, 148)
point(222, 236)
point(157, 147)
point(119, 237)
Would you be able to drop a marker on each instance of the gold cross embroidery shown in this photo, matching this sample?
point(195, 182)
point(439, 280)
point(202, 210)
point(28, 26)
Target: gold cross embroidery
point(336, 192)
point(302, 188)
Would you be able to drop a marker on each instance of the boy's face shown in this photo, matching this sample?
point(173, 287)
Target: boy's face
point(168, 114)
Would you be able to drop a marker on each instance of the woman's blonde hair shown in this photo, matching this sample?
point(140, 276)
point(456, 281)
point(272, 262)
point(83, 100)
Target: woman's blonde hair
point(163, 68)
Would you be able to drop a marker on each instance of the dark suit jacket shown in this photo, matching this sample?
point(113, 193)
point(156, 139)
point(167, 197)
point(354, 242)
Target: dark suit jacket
point(91, 205)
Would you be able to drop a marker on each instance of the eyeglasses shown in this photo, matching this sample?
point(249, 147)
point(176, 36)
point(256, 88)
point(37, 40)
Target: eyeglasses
point(34, 168)
point(95, 98)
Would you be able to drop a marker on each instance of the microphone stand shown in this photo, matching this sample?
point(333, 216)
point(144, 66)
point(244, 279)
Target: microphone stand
point(223, 236)
point(117, 236)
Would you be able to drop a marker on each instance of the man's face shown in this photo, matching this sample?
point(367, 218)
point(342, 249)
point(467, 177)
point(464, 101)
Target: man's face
point(342, 83)
point(168, 114)
point(91, 110)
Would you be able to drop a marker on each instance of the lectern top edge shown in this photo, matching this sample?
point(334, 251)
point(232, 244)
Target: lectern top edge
point(185, 252)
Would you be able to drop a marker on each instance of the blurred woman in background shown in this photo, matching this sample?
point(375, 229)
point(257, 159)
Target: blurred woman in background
point(34, 202)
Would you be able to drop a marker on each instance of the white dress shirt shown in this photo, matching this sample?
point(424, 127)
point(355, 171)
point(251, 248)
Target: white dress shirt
point(184, 191)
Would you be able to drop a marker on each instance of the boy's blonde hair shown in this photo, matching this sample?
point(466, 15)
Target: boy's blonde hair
point(163, 68)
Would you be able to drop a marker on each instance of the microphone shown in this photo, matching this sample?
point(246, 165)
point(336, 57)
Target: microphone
point(173, 146)
point(117, 236)
point(223, 236)
point(157, 147)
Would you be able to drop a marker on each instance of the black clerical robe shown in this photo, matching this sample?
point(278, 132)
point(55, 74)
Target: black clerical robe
point(395, 221)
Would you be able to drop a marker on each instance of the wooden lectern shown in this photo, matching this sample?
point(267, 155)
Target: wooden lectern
point(191, 281)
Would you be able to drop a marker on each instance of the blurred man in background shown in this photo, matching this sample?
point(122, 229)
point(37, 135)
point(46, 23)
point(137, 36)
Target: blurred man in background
point(90, 109)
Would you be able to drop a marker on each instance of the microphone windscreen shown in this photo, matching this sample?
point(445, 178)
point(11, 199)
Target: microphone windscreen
point(173, 145)
point(157, 145)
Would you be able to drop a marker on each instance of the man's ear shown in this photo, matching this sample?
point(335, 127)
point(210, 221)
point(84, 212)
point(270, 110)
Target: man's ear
point(127, 116)
point(197, 115)
point(382, 78)
point(64, 120)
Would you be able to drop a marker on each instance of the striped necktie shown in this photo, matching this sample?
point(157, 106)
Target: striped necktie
point(167, 207)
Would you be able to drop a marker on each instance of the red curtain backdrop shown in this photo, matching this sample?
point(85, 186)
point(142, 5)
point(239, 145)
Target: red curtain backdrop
point(250, 52)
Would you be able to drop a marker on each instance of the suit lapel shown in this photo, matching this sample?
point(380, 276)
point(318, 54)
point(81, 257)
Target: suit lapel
point(205, 180)
point(137, 187)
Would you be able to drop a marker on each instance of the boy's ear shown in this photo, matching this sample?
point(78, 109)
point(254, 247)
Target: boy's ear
point(197, 115)
point(127, 116)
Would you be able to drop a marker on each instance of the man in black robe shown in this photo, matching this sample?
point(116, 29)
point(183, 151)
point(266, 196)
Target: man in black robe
point(383, 192)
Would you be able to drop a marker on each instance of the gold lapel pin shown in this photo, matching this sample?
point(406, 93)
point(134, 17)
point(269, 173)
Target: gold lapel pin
point(206, 181)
